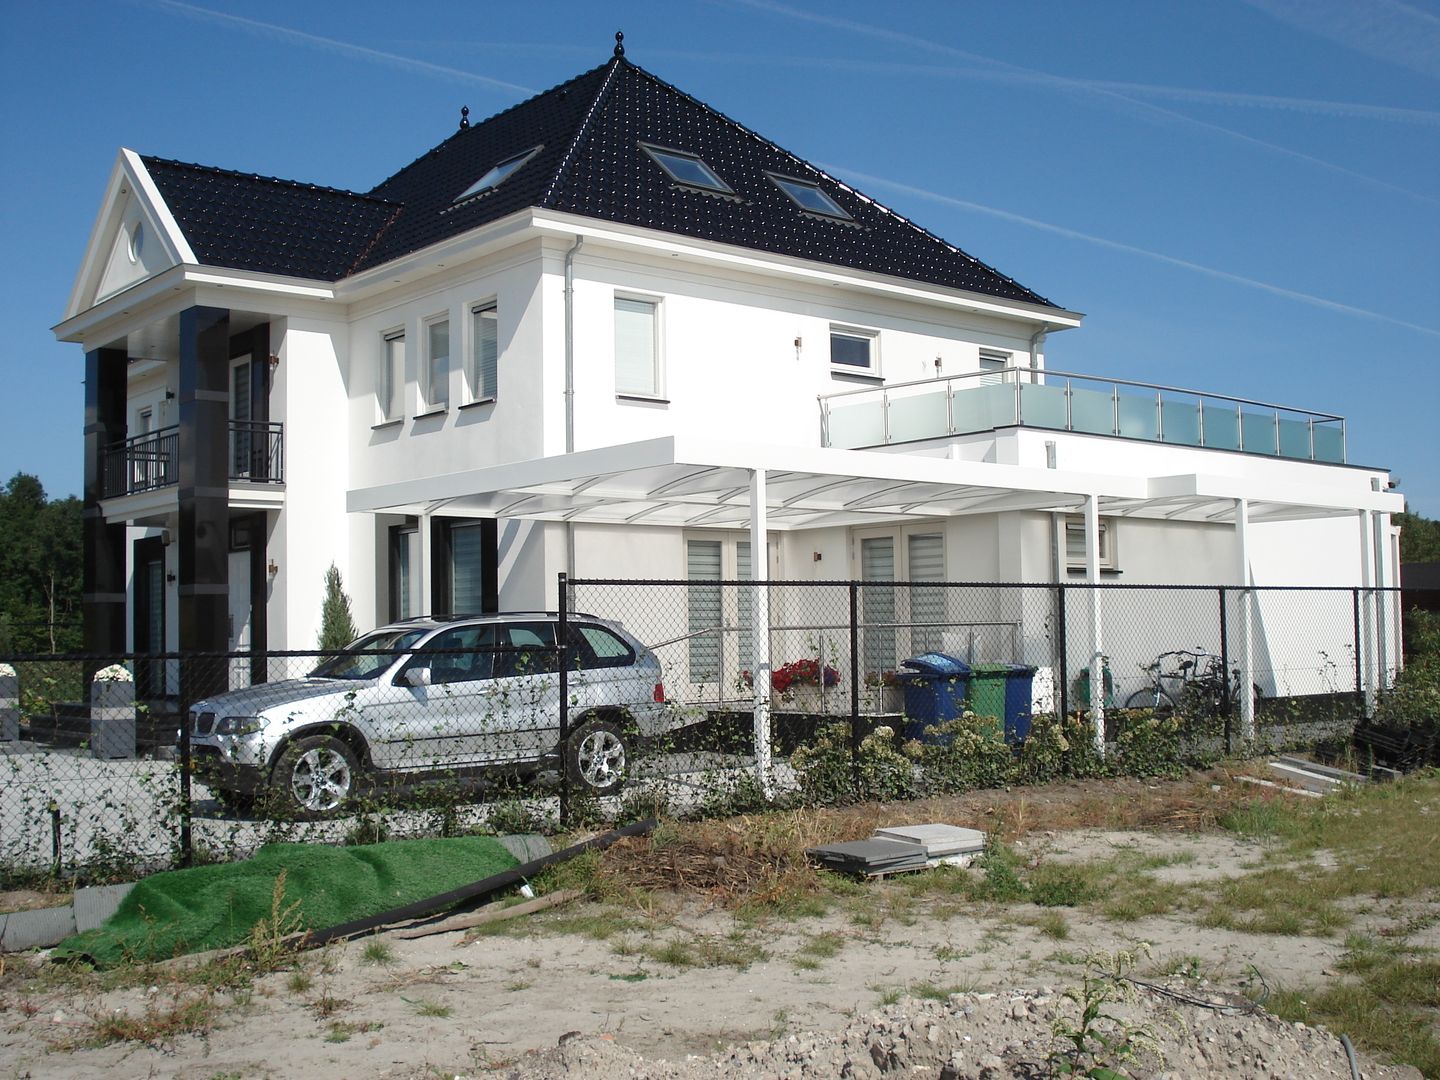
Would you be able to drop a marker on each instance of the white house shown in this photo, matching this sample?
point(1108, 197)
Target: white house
point(614, 332)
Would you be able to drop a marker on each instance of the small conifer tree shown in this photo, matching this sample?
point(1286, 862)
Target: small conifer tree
point(337, 627)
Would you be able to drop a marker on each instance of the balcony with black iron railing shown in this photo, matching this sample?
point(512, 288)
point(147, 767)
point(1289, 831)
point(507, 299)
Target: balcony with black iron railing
point(1063, 401)
point(149, 461)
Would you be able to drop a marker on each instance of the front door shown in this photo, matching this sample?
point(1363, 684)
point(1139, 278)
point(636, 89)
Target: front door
point(239, 618)
point(149, 618)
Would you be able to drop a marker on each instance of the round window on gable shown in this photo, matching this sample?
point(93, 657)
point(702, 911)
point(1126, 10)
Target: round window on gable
point(137, 241)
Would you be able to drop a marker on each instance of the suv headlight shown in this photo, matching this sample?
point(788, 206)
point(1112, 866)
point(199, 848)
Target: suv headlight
point(240, 725)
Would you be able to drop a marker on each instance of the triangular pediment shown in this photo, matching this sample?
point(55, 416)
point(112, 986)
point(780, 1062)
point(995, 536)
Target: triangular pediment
point(135, 237)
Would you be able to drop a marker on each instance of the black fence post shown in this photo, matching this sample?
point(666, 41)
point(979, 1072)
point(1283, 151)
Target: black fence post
point(1225, 701)
point(1064, 669)
point(855, 733)
point(1355, 630)
point(562, 638)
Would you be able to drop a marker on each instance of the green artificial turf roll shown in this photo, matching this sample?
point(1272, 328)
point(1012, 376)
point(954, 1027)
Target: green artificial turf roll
point(212, 907)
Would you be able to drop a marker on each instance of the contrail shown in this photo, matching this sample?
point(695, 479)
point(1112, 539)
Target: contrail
point(339, 48)
point(1061, 82)
point(1384, 30)
point(1130, 249)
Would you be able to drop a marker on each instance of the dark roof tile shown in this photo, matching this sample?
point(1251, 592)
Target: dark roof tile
point(589, 132)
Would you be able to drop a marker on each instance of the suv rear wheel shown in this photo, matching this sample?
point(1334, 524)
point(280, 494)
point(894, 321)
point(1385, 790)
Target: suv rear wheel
point(315, 777)
point(597, 756)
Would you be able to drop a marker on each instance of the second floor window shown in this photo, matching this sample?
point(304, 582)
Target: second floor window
point(391, 390)
point(437, 364)
point(853, 351)
point(637, 353)
point(485, 353)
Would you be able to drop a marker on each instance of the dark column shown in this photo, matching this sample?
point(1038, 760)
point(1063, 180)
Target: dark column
point(103, 578)
point(204, 532)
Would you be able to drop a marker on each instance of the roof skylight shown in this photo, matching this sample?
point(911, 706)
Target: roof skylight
point(497, 175)
point(686, 169)
point(809, 197)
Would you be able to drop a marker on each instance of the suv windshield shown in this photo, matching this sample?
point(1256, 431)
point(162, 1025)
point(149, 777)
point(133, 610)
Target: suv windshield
point(382, 648)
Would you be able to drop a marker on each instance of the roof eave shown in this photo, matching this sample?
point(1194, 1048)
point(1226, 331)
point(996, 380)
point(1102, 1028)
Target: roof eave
point(558, 222)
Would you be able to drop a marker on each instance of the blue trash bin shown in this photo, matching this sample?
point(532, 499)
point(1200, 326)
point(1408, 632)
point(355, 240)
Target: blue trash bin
point(935, 687)
point(1019, 694)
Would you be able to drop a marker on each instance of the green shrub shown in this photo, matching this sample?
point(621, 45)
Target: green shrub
point(1060, 748)
point(968, 753)
point(1150, 745)
point(830, 774)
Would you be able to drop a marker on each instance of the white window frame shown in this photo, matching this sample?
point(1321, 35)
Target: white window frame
point(431, 402)
point(902, 637)
point(1108, 559)
point(657, 307)
point(475, 393)
point(857, 333)
point(390, 394)
point(988, 359)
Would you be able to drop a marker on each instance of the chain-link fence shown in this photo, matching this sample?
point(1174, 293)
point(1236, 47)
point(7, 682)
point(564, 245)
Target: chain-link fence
point(686, 697)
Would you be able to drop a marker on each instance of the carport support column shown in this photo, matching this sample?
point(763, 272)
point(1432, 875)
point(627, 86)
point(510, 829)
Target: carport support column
point(1245, 652)
point(427, 560)
point(1368, 653)
point(1097, 651)
point(760, 636)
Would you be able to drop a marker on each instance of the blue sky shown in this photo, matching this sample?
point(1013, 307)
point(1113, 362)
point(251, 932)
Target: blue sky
point(1241, 195)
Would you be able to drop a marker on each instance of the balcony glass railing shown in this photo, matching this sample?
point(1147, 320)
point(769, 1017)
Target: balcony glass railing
point(256, 454)
point(1063, 401)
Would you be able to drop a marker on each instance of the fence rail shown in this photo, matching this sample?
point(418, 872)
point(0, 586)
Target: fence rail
point(692, 697)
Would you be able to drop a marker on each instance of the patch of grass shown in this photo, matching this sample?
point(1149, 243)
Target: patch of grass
point(341, 1030)
point(601, 925)
point(299, 981)
point(1404, 1035)
point(377, 951)
point(823, 946)
point(426, 1007)
point(1140, 897)
point(929, 991)
point(159, 1025)
point(1053, 925)
point(675, 953)
point(888, 995)
point(631, 977)
point(1064, 884)
point(1260, 819)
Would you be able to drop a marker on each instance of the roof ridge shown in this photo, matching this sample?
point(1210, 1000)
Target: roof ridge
point(581, 132)
point(835, 180)
point(148, 158)
point(478, 124)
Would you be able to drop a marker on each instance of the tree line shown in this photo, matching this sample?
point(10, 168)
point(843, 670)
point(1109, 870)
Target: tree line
point(40, 569)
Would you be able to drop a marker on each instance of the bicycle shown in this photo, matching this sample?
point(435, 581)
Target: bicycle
point(1191, 682)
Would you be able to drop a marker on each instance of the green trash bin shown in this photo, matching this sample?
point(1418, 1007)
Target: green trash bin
point(987, 696)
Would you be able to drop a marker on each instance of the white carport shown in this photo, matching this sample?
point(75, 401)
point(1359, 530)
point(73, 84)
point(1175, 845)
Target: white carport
point(678, 481)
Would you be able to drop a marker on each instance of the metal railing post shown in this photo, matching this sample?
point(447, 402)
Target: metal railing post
point(1063, 646)
point(562, 637)
point(1359, 670)
point(1225, 701)
point(855, 734)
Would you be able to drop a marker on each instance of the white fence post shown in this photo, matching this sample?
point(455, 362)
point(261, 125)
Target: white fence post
point(112, 713)
point(9, 704)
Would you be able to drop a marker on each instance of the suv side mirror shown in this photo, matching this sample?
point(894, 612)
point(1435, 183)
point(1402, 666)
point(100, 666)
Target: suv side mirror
point(416, 676)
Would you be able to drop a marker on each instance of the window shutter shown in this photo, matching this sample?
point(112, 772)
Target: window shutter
point(877, 598)
point(926, 552)
point(467, 561)
point(702, 563)
point(487, 353)
point(635, 347)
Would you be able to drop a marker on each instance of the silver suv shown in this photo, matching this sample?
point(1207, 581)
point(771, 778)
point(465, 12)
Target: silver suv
point(455, 697)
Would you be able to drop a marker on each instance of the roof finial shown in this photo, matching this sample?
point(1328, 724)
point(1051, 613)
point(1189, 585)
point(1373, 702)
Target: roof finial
point(464, 117)
point(619, 43)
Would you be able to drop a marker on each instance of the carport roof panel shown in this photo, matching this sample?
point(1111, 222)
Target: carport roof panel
point(681, 481)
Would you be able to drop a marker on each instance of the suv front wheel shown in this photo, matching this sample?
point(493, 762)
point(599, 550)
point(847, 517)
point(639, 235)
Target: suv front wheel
point(315, 777)
point(596, 757)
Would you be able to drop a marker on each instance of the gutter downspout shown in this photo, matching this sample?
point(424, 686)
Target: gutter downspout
point(1037, 343)
point(570, 384)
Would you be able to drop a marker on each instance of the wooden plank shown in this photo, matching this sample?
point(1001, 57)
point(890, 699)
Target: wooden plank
point(492, 913)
